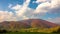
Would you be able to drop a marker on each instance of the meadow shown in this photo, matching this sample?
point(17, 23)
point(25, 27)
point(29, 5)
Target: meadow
point(54, 30)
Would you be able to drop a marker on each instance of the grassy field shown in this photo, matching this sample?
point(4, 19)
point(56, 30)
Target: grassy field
point(55, 30)
point(28, 33)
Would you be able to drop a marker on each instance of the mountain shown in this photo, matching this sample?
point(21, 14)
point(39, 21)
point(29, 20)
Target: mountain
point(39, 23)
point(28, 23)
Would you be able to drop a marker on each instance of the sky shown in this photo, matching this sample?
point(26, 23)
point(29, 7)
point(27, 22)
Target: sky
point(16, 10)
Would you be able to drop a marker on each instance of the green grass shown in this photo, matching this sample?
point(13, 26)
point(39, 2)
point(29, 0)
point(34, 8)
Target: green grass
point(28, 33)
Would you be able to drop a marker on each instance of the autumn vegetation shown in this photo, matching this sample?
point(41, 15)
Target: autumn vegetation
point(44, 30)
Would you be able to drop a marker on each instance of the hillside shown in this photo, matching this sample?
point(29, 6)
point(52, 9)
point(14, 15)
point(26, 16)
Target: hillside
point(34, 23)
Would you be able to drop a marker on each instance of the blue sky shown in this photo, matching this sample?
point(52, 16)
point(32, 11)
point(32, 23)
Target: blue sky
point(27, 9)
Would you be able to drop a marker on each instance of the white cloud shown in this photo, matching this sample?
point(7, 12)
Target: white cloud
point(25, 17)
point(42, 7)
point(24, 12)
point(40, 1)
point(17, 7)
point(53, 6)
point(54, 20)
point(5, 15)
point(23, 8)
point(55, 3)
point(19, 10)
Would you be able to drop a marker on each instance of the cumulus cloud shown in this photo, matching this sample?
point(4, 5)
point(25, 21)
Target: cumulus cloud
point(42, 7)
point(6, 16)
point(55, 6)
point(41, 1)
point(38, 1)
point(21, 11)
point(16, 8)
point(24, 12)
point(24, 17)
point(54, 20)
point(55, 3)
point(50, 7)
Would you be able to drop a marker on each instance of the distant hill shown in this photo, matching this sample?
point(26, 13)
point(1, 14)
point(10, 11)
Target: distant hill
point(29, 23)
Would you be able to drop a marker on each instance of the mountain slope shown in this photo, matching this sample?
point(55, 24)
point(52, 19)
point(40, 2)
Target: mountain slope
point(34, 23)
point(39, 23)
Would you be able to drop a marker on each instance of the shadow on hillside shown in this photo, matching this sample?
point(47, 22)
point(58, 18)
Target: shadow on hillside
point(3, 31)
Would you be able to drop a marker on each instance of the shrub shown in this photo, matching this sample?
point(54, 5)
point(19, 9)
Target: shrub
point(3, 31)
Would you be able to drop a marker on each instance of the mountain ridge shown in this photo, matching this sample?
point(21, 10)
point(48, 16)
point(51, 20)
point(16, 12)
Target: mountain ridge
point(28, 23)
